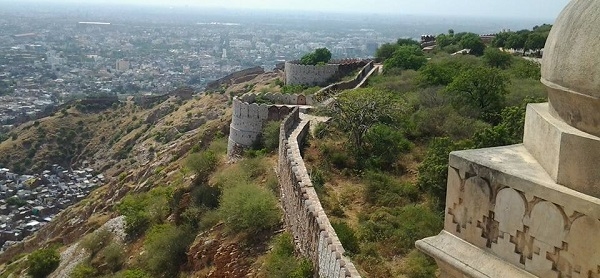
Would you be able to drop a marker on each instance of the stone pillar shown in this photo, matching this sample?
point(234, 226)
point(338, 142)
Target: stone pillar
point(532, 209)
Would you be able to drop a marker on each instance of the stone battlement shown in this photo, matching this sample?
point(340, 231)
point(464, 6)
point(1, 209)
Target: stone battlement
point(304, 215)
point(319, 75)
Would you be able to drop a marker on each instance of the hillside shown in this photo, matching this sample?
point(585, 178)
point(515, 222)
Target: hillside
point(175, 206)
point(140, 149)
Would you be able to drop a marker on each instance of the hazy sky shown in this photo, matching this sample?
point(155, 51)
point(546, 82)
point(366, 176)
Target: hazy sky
point(533, 9)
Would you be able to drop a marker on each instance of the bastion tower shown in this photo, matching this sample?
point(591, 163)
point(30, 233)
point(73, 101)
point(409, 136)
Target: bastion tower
point(533, 209)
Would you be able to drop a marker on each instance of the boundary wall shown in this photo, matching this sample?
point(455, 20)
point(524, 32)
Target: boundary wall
point(304, 216)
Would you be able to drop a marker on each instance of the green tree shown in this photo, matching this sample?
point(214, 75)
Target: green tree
point(517, 40)
point(319, 56)
point(385, 51)
point(535, 41)
point(358, 110)
point(500, 39)
point(522, 68)
point(496, 58)
point(482, 89)
point(473, 42)
point(509, 131)
point(42, 262)
point(406, 57)
point(401, 42)
point(443, 40)
point(441, 72)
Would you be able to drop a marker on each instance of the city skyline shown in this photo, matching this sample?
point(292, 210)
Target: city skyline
point(533, 9)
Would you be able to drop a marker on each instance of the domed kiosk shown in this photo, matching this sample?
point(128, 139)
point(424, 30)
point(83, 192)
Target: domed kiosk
point(532, 209)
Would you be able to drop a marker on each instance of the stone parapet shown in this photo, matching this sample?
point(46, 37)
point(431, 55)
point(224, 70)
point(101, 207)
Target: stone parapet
point(304, 215)
point(502, 201)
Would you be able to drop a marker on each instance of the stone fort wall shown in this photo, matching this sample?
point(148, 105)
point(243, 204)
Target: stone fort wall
point(319, 75)
point(357, 81)
point(304, 216)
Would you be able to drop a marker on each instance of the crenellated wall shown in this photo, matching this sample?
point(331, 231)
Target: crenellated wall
point(298, 74)
point(279, 98)
point(304, 215)
point(247, 122)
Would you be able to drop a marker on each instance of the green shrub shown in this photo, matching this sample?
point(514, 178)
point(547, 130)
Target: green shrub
point(202, 164)
point(254, 167)
point(42, 262)
point(382, 146)
point(97, 240)
point(397, 229)
point(270, 136)
point(317, 177)
point(418, 265)
point(292, 89)
point(142, 210)
point(205, 195)
point(249, 208)
point(433, 171)
point(114, 256)
point(304, 269)
point(83, 270)
point(166, 247)
point(280, 262)
point(383, 190)
point(133, 273)
point(321, 130)
point(347, 237)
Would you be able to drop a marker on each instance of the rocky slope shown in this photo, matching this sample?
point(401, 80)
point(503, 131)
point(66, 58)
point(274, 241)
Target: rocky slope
point(137, 148)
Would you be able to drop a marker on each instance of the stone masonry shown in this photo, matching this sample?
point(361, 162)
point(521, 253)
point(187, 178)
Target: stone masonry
point(304, 215)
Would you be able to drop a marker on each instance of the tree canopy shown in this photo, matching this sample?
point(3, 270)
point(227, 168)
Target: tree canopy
point(406, 57)
point(319, 56)
point(482, 89)
point(497, 58)
point(473, 42)
point(359, 110)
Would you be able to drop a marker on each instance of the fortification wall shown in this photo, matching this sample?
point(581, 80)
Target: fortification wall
point(247, 123)
point(214, 85)
point(346, 85)
point(279, 98)
point(304, 215)
point(297, 74)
